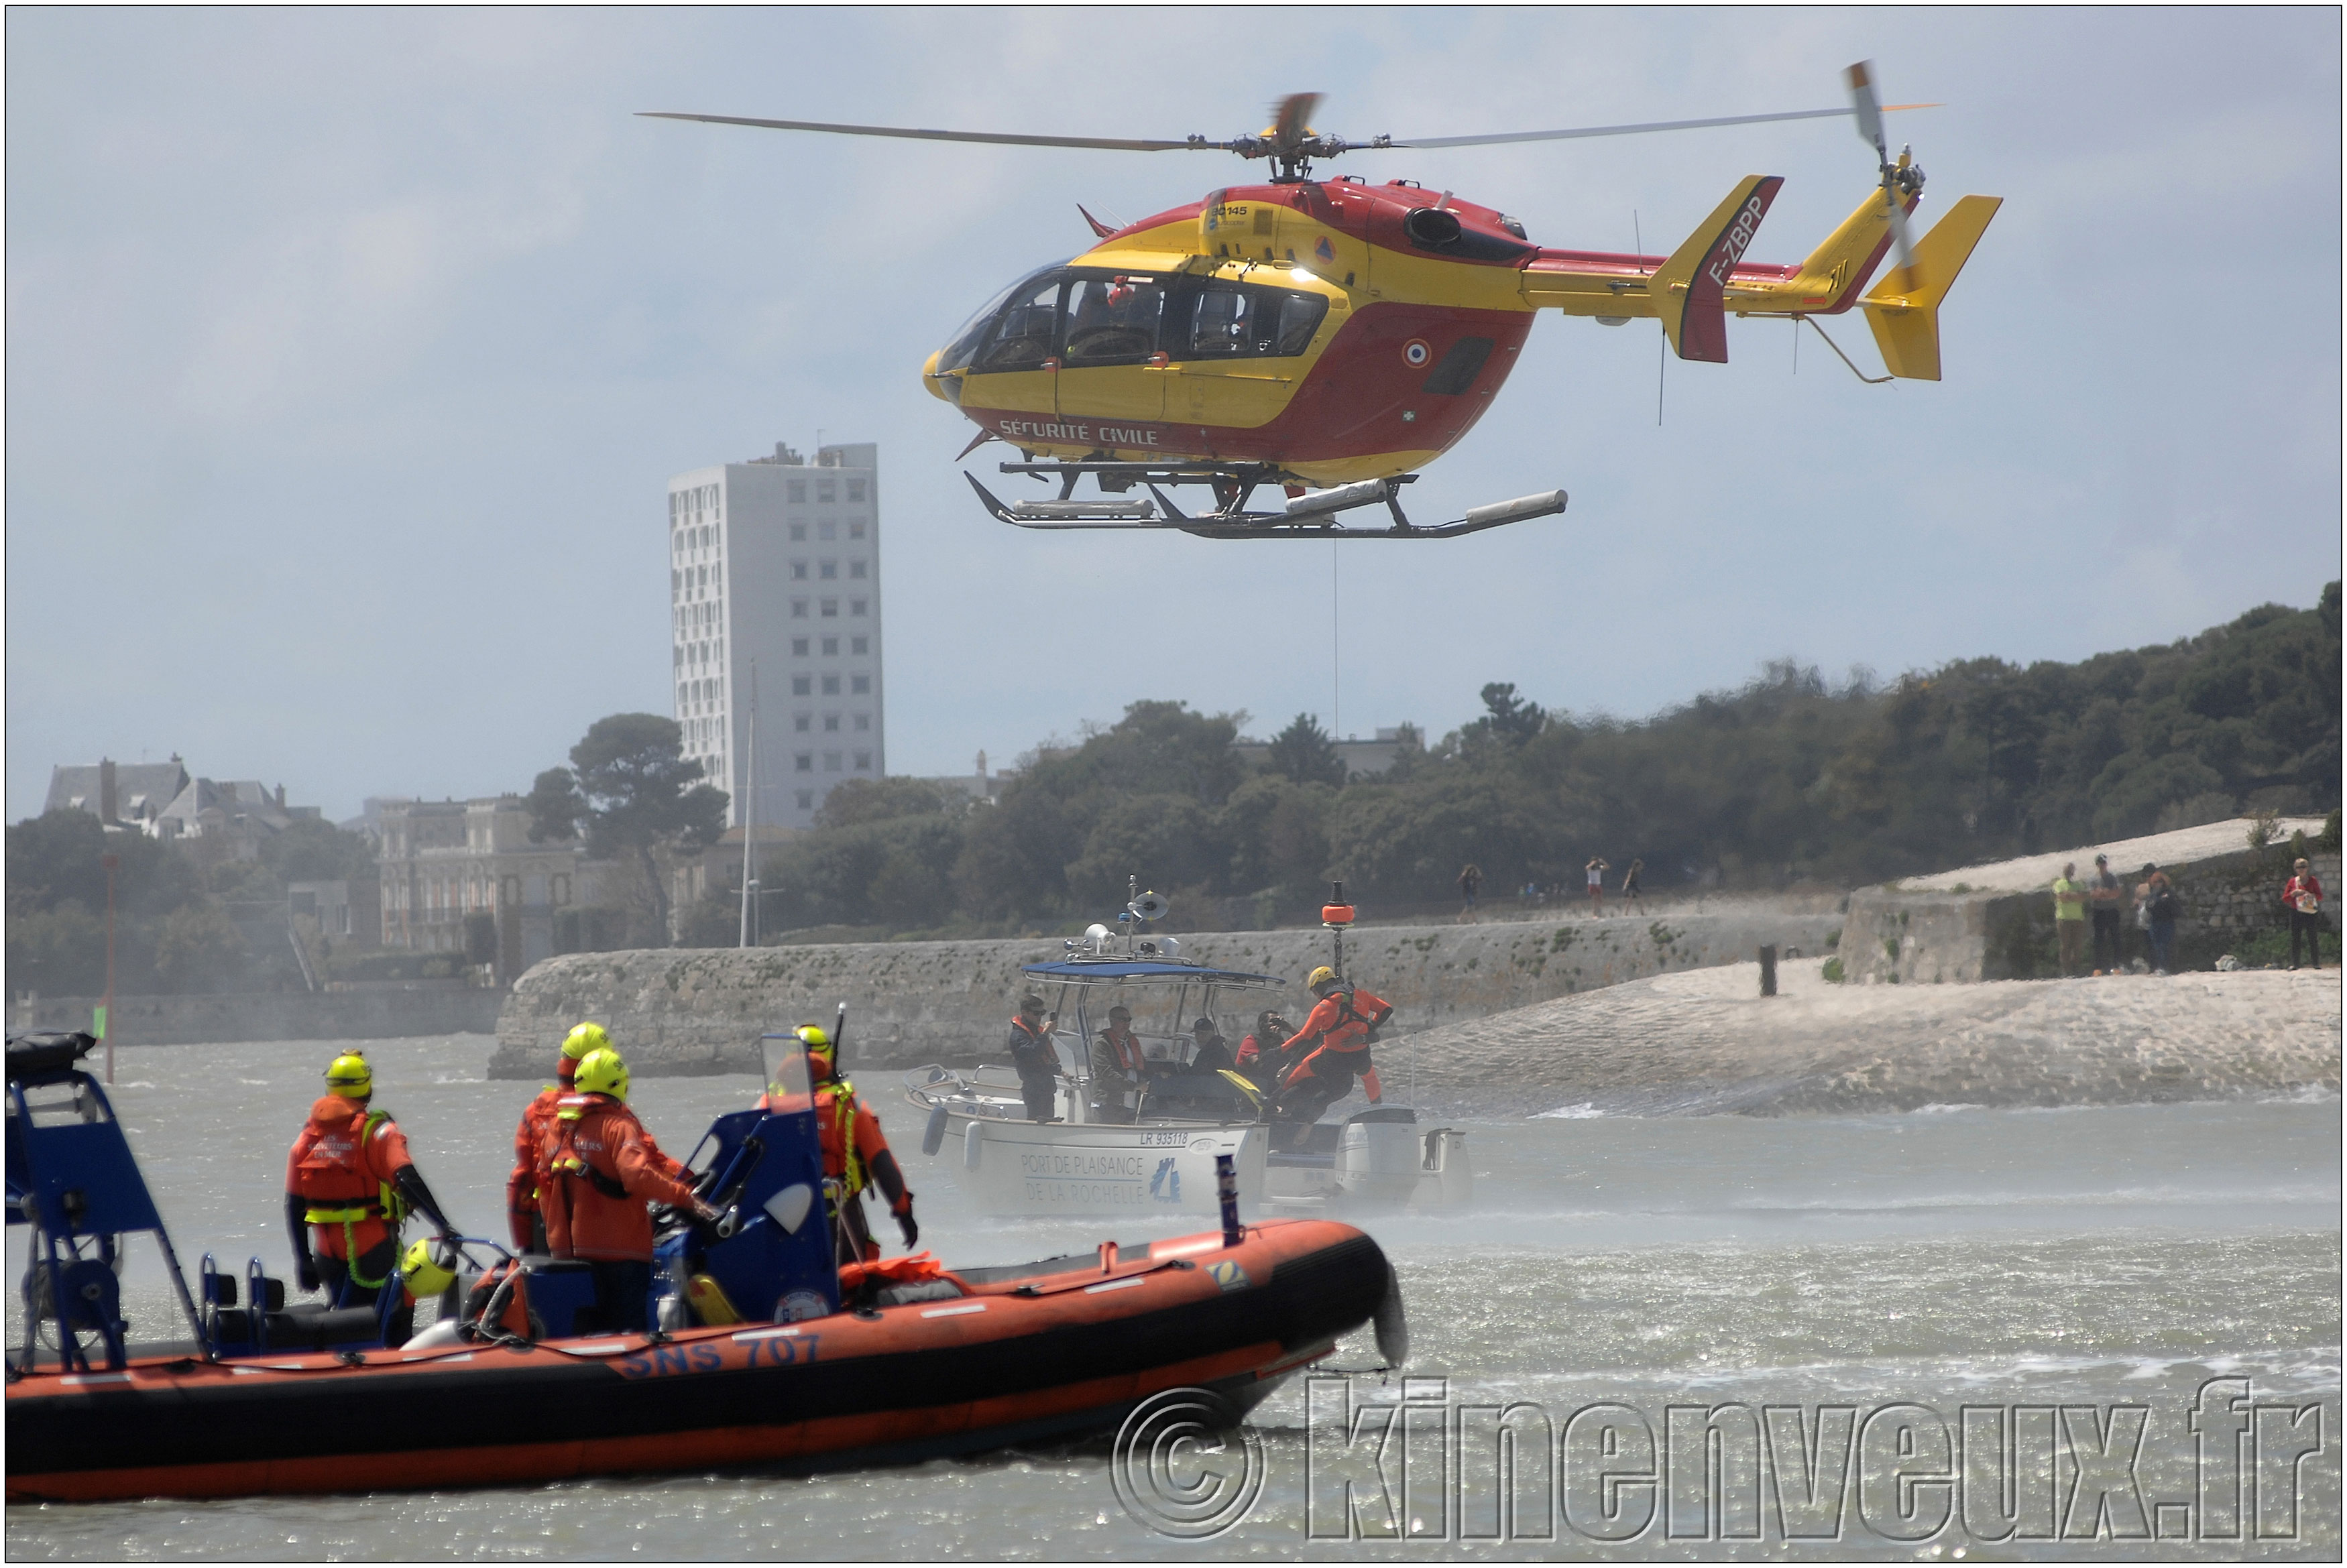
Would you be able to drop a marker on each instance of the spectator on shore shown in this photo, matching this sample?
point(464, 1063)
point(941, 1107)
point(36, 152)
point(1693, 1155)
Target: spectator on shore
point(2104, 897)
point(1470, 878)
point(2070, 918)
point(1629, 887)
point(2157, 907)
point(1596, 868)
point(2302, 894)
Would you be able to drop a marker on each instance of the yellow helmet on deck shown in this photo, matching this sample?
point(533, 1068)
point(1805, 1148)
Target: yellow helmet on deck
point(350, 1077)
point(602, 1071)
point(425, 1274)
point(585, 1038)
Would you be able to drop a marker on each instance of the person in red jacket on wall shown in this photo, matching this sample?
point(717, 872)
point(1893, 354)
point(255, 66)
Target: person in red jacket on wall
point(598, 1174)
point(2302, 895)
point(522, 1215)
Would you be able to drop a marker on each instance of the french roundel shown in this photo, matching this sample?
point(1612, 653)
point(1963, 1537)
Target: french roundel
point(1416, 354)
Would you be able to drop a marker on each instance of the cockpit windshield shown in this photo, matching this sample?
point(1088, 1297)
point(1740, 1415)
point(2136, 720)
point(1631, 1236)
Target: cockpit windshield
point(971, 335)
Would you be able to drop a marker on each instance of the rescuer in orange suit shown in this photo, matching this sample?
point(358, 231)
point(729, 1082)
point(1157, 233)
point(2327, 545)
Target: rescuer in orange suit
point(598, 1174)
point(852, 1149)
point(1331, 1050)
point(348, 1182)
point(522, 1215)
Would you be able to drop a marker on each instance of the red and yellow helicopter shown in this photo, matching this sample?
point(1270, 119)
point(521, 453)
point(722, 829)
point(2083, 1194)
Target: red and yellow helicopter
point(1332, 336)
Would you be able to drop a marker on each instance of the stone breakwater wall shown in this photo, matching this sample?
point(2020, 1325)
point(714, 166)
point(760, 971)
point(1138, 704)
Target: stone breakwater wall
point(698, 1011)
point(384, 1015)
point(1956, 930)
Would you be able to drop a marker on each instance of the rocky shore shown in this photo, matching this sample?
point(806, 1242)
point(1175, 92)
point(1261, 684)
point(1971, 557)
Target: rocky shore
point(1708, 1043)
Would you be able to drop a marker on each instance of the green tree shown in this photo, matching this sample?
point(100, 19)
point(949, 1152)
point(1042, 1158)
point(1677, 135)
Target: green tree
point(1305, 753)
point(632, 792)
point(312, 849)
point(860, 800)
point(200, 950)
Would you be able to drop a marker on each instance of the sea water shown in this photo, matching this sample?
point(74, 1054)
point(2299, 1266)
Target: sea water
point(2093, 1272)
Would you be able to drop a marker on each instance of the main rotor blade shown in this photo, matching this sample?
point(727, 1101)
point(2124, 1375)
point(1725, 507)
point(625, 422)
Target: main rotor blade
point(1291, 117)
point(1619, 131)
point(1000, 139)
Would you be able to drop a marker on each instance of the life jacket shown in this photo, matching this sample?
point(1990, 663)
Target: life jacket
point(589, 1213)
point(1128, 1055)
point(335, 1176)
point(1342, 1049)
point(835, 1109)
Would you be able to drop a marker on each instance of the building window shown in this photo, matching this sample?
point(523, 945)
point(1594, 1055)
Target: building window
point(805, 760)
point(856, 490)
point(802, 685)
point(864, 723)
point(798, 571)
point(826, 490)
point(800, 723)
point(830, 570)
point(860, 646)
point(855, 568)
point(795, 490)
point(831, 762)
point(798, 529)
point(862, 683)
point(806, 799)
point(830, 647)
point(831, 609)
point(863, 762)
point(827, 529)
point(798, 647)
point(857, 606)
point(831, 686)
point(831, 723)
point(855, 528)
point(798, 609)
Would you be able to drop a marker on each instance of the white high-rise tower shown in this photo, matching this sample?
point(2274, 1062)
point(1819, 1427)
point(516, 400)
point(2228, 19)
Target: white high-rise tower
point(777, 560)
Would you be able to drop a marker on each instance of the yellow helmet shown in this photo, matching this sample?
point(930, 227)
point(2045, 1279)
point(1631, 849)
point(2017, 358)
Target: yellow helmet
point(819, 1046)
point(585, 1038)
point(350, 1077)
point(602, 1073)
point(1324, 975)
point(425, 1274)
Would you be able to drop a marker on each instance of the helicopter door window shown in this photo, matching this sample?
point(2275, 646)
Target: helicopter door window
point(1112, 321)
point(1299, 317)
point(1222, 324)
point(1026, 331)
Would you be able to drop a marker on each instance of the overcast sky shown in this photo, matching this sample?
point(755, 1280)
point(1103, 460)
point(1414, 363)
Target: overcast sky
point(349, 353)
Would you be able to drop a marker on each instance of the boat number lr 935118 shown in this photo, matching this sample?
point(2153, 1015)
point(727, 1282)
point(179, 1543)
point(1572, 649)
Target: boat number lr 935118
point(669, 1361)
point(1173, 1140)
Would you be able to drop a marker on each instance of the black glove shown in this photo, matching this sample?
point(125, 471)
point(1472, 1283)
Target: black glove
point(906, 1224)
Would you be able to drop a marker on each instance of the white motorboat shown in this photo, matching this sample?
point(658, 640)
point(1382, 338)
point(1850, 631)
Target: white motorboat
point(1157, 1157)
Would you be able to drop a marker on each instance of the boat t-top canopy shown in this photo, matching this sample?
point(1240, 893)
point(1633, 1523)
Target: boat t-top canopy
point(1111, 970)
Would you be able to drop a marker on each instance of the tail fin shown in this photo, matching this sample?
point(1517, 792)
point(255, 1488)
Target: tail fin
point(1686, 290)
point(1904, 308)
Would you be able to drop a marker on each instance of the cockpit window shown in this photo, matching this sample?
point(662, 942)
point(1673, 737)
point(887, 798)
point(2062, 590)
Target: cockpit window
point(963, 346)
point(1026, 328)
point(1229, 321)
point(1113, 320)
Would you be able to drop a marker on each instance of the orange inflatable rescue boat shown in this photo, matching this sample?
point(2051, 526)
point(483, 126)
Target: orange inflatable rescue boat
point(760, 1361)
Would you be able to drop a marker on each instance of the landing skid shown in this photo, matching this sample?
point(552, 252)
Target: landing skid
point(1312, 516)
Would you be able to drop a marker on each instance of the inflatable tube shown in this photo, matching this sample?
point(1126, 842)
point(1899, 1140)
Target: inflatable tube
point(1054, 1349)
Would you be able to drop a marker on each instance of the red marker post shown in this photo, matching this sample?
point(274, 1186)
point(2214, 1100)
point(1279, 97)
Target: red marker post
point(106, 1008)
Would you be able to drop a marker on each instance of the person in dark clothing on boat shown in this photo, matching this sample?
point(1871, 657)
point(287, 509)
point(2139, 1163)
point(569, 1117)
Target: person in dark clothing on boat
point(1032, 1054)
point(1210, 1051)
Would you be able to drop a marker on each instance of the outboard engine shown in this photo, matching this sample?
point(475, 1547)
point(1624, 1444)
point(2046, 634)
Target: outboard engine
point(1377, 1157)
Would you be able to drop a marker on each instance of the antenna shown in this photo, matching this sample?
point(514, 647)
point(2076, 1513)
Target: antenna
point(750, 810)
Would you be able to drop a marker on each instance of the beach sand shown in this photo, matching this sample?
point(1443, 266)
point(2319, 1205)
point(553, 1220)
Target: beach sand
point(1705, 1041)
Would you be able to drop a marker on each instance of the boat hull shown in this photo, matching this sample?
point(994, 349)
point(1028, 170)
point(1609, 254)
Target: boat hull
point(1058, 1353)
point(1096, 1168)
